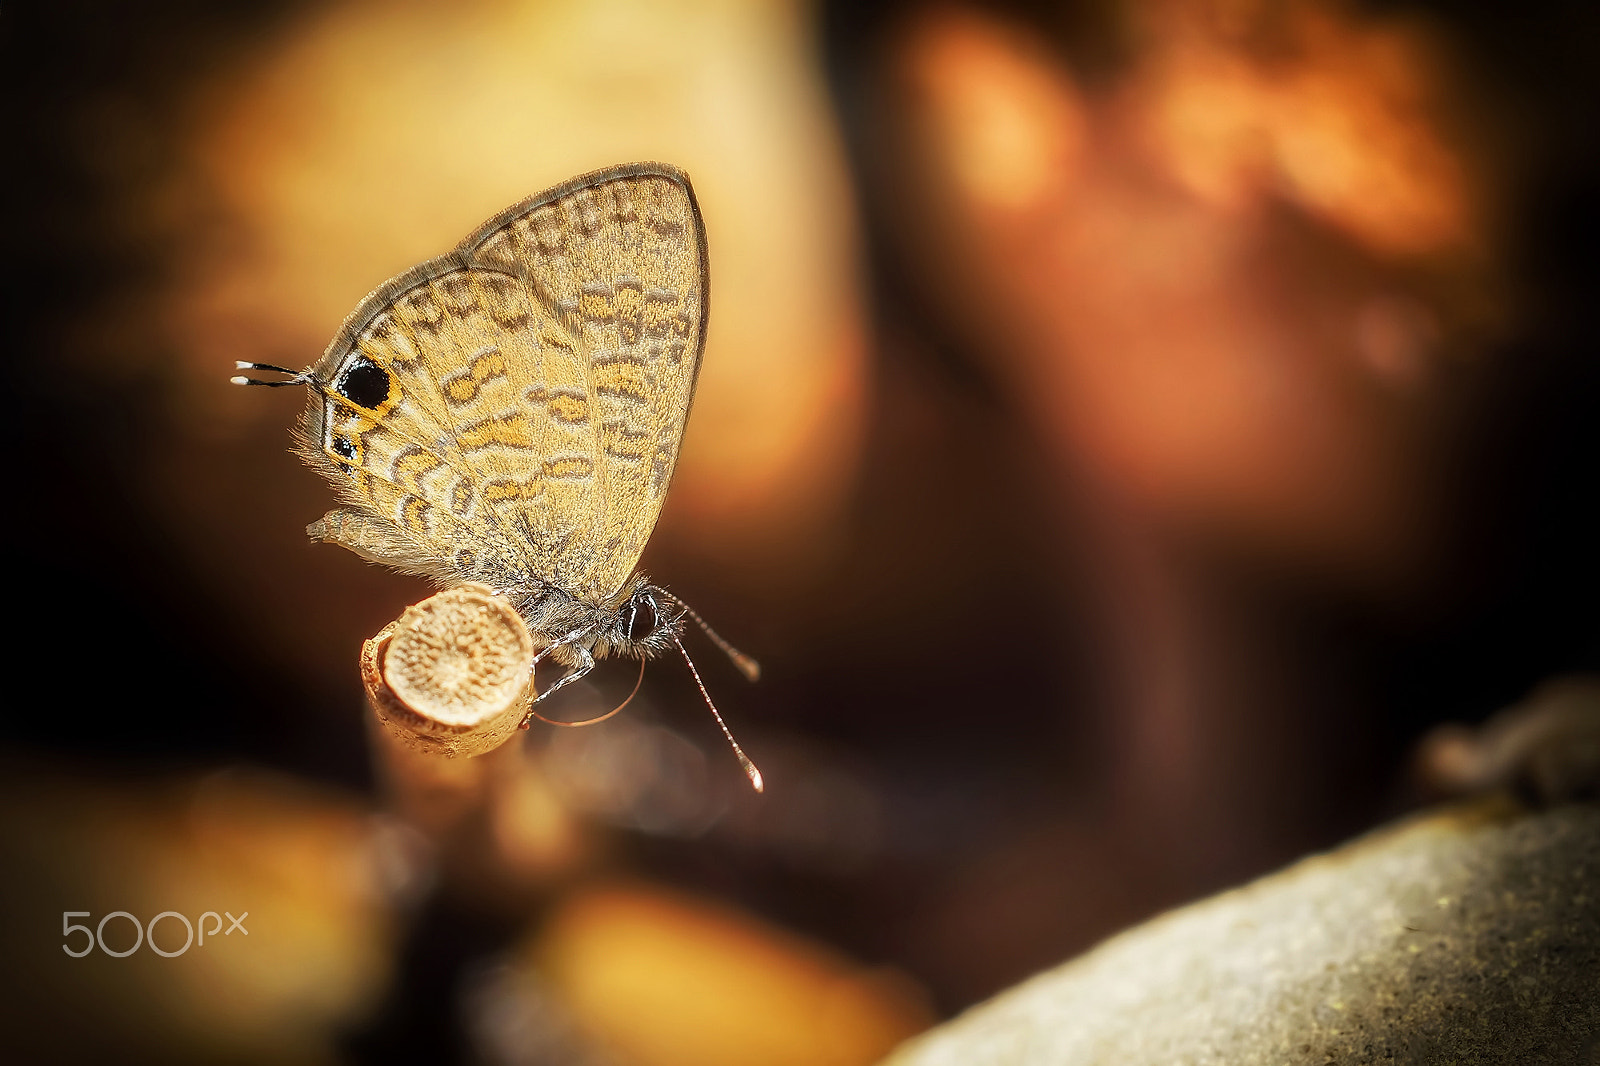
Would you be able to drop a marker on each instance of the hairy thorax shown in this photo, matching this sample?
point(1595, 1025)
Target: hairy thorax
point(598, 628)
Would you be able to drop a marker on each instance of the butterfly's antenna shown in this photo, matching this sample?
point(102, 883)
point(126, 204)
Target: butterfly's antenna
point(296, 377)
point(590, 721)
point(747, 666)
point(744, 760)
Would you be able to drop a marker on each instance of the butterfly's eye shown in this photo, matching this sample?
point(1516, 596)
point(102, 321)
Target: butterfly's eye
point(364, 383)
point(639, 618)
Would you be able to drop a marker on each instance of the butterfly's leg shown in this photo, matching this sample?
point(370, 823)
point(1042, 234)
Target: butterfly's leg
point(585, 664)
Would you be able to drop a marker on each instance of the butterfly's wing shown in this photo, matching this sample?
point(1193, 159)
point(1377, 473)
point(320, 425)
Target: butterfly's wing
point(512, 411)
point(621, 259)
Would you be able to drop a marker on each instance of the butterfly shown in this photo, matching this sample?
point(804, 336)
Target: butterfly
point(511, 413)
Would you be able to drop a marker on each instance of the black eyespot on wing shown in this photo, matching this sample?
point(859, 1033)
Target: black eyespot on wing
point(344, 448)
point(364, 383)
point(639, 618)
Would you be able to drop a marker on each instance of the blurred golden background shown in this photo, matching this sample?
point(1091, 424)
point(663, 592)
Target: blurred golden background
point(1124, 429)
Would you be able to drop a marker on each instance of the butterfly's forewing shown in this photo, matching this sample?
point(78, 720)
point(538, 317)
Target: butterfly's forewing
point(514, 409)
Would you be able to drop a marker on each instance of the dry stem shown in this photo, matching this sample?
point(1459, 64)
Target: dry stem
point(453, 675)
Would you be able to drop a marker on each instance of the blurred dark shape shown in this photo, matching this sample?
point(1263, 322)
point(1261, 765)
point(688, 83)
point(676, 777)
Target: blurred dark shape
point(637, 775)
point(1546, 747)
point(514, 1019)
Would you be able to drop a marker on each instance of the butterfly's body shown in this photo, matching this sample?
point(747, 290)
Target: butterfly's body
point(577, 630)
point(511, 412)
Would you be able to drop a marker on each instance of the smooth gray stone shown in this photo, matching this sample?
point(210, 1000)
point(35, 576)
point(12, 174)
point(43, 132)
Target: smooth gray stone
point(1465, 935)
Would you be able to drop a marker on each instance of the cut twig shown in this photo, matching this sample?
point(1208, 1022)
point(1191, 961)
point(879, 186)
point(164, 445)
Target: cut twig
point(453, 675)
